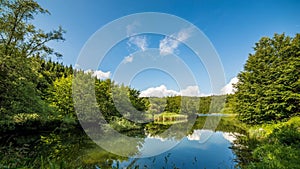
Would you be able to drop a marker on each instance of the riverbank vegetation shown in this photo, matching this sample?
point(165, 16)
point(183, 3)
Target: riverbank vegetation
point(36, 99)
point(273, 145)
point(267, 99)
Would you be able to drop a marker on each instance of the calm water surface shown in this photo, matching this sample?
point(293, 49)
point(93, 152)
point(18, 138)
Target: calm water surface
point(188, 153)
point(183, 150)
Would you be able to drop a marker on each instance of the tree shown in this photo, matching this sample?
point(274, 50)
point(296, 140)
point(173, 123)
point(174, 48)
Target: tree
point(173, 104)
point(269, 86)
point(156, 105)
point(19, 42)
point(189, 105)
point(18, 36)
point(204, 105)
point(61, 96)
point(128, 103)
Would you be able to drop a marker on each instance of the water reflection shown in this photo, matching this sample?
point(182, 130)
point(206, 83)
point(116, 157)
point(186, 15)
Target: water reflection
point(183, 147)
point(189, 153)
point(196, 135)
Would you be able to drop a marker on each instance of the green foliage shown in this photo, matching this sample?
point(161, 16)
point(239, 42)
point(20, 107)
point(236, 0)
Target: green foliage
point(44, 150)
point(61, 96)
point(111, 100)
point(186, 105)
point(49, 71)
point(269, 87)
point(288, 135)
point(279, 150)
point(128, 103)
point(38, 95)
point(155, 106)
point(103, 92)
point(121, 124)
point(204, 105)
point(173, 104)
point(271, 146)
point(20, 41)
point(18, 35)
point(275, 156)
point(189, 105)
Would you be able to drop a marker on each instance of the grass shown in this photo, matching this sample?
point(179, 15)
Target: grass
point(261, 132)
point(278, 145)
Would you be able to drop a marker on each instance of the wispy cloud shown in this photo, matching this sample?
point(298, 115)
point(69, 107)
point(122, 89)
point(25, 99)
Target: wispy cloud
point(229, 89)
point(135, 42)
point(99, 74)
point(128, 59)
point(138, 43)
point(169, 44)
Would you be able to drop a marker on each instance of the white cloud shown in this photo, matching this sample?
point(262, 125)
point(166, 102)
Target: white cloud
point(99, 74)
point(160, 91)
point(163, 91)
point(156, 137)
point(229, 136)
point(138, 41)
point(228, 89)
point(190, 91)
point(200, 135)
point(102, 75)
point(195, 135)
point(128, 59)
point(169, 44)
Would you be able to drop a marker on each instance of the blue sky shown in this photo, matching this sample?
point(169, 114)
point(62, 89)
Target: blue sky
point(232, 26)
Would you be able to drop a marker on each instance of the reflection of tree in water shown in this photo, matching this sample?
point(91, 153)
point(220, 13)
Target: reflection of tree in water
point(180, 130)
point(176, 131)
point(76, 149)
point(226, 124)
point(123, 144)
point(101, 158)
point(71, 149)
point(242, 147)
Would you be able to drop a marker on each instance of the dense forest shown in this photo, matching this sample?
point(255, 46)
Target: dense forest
point(36, 94)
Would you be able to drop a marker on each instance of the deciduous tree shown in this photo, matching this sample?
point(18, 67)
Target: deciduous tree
point(269, 86)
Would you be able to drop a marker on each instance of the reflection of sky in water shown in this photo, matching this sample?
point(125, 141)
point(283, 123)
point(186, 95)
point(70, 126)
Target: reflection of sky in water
point(155, 145)
point(188, 153)
point(196, 135)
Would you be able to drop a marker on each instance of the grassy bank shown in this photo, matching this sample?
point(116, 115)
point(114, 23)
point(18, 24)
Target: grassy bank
point(274, 145)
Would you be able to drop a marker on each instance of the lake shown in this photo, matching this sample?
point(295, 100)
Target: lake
point(155, 149)
point(188, 153)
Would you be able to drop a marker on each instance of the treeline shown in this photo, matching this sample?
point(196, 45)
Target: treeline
point(187, 105)
point(48, 103)
point(35, 93)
